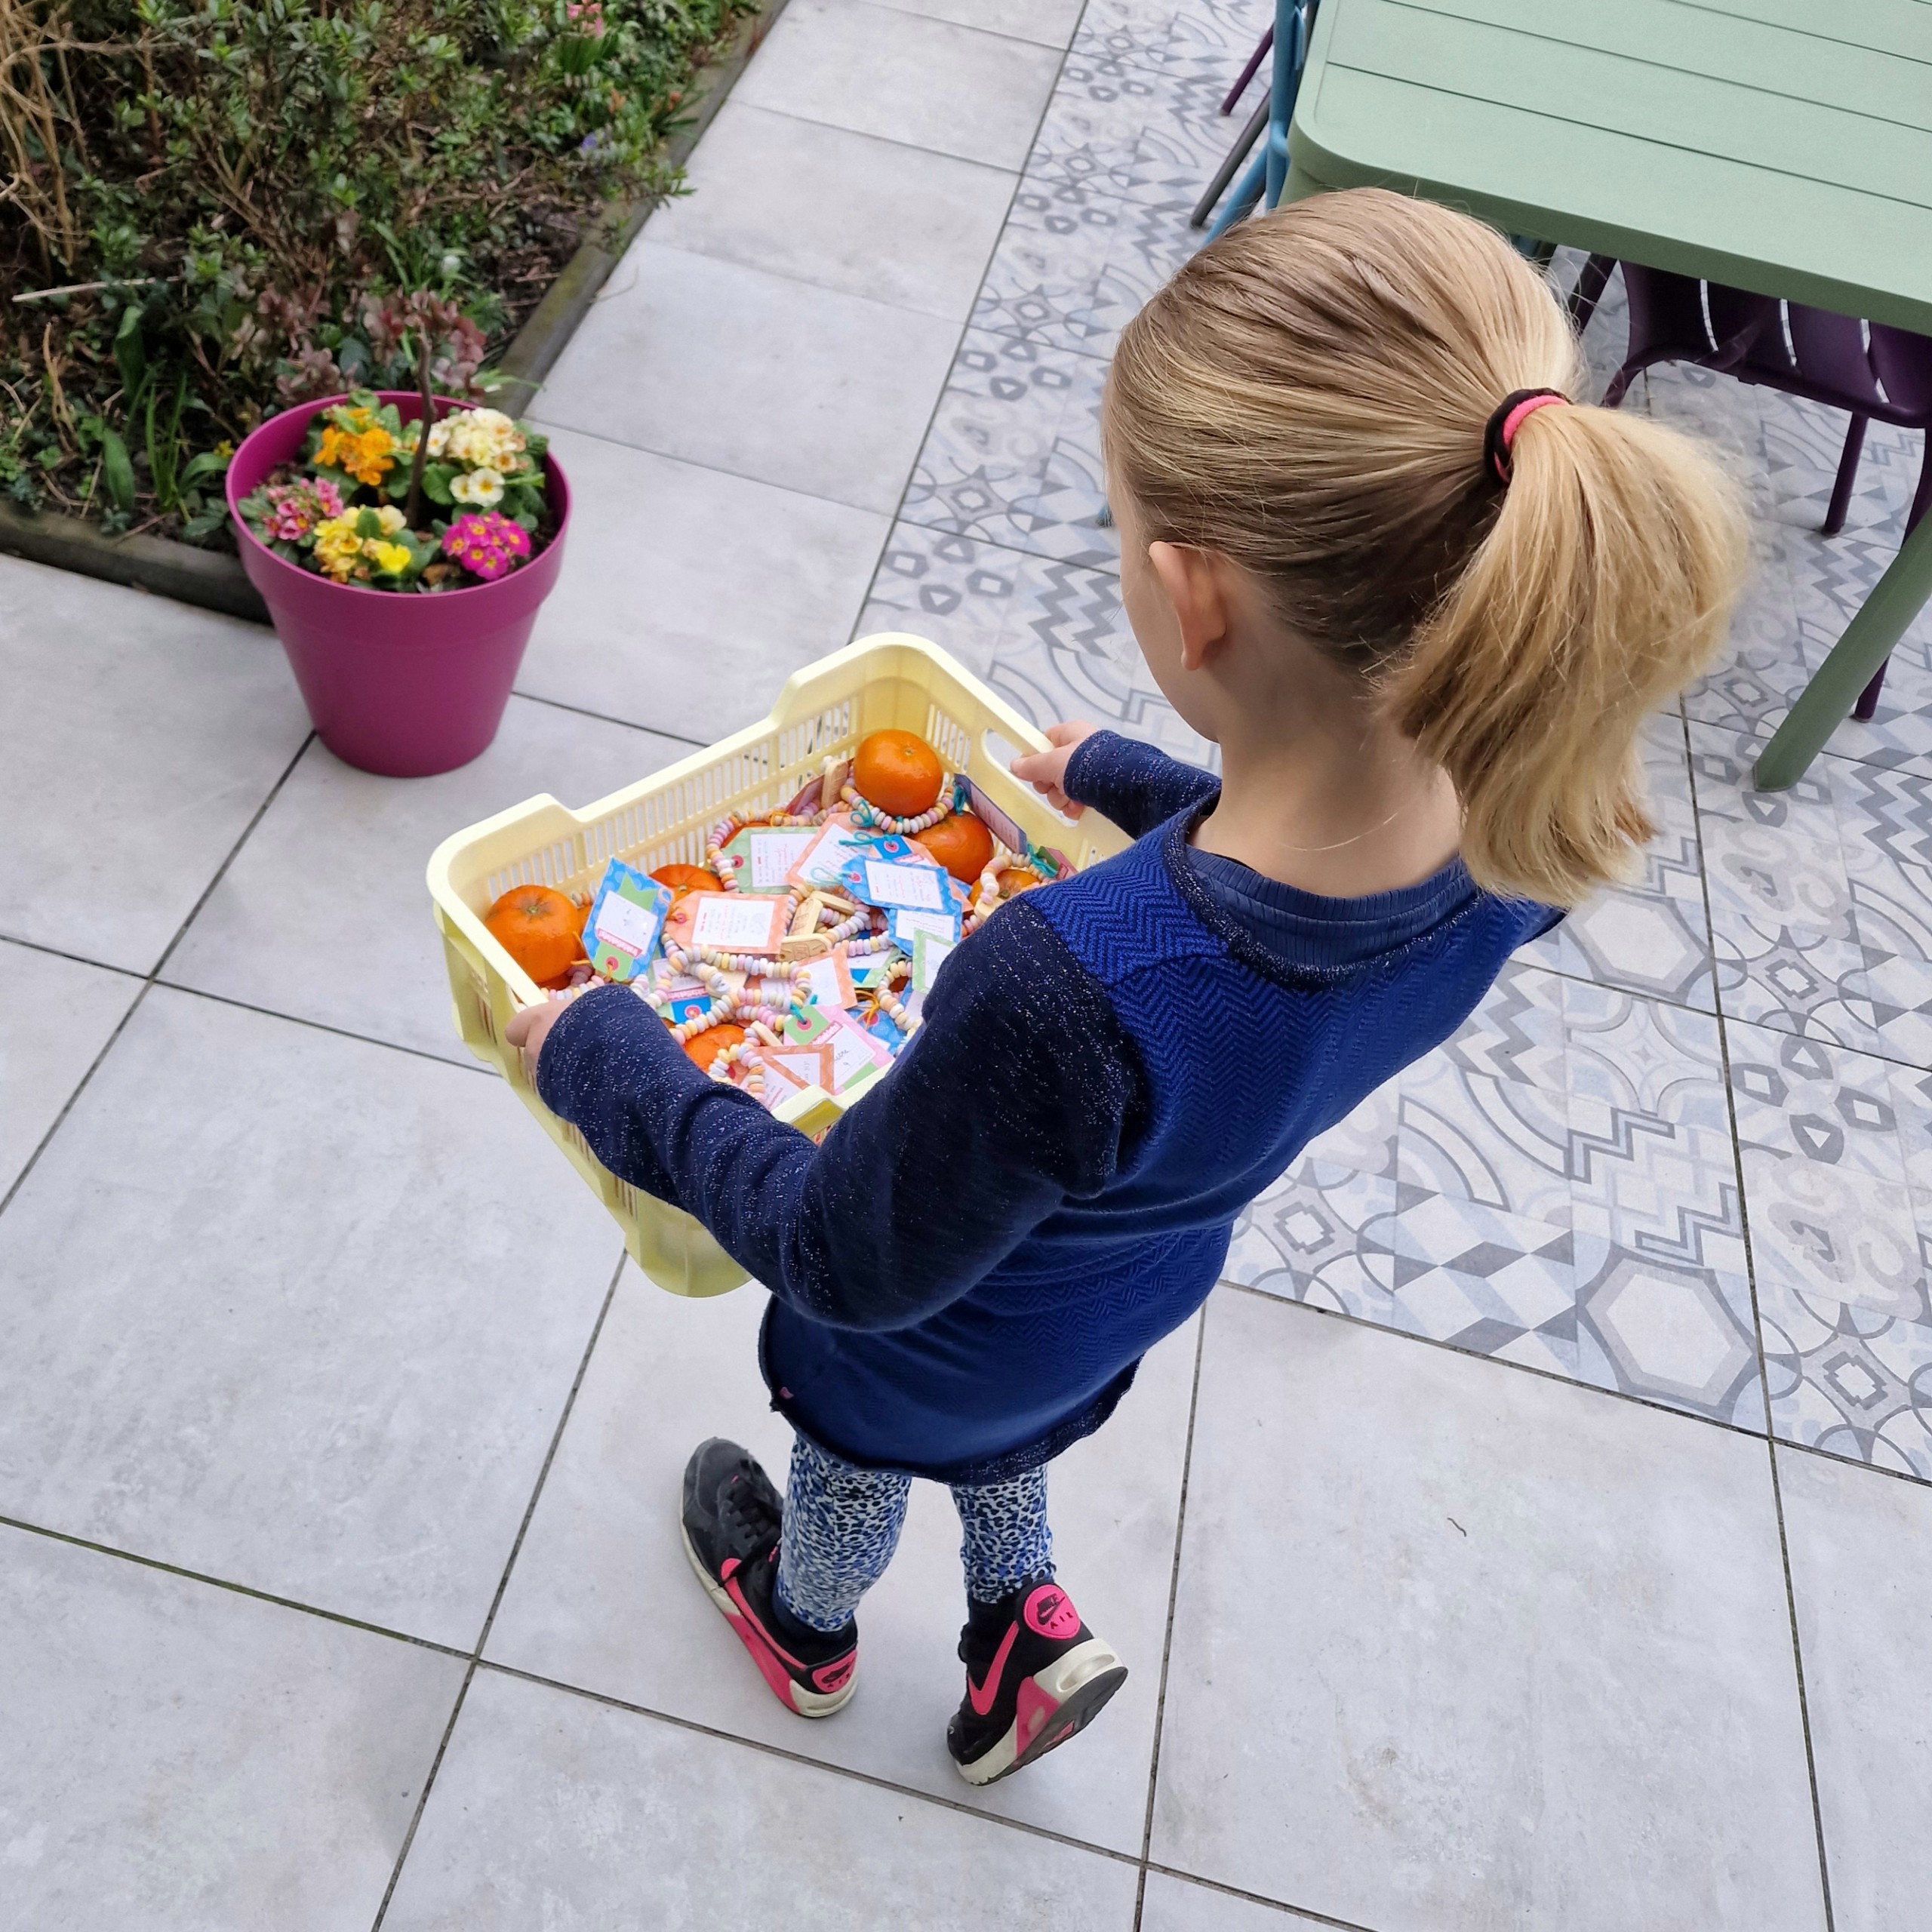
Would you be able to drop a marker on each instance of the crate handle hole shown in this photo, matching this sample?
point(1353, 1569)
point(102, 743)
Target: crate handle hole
point(1002, 751)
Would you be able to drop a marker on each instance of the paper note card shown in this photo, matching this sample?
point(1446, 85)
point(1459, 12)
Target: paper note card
point(830, 979)
point(774, 851)
point(789, 1069)
point(834, 846)
point(730, 922)
point(883, 883)
point(808, 1024)
point(908, 926)
point(854, 1052)
point(626, 917)
point(929, 954)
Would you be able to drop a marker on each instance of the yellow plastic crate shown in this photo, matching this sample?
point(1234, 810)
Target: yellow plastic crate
point(891, 681)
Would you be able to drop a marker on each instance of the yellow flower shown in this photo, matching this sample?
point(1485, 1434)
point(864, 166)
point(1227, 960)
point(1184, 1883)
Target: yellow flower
point(390, 557)
point(337, 546)
point(483, 487)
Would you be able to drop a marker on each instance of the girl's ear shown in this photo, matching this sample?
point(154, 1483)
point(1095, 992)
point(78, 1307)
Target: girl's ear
point(1192, 586)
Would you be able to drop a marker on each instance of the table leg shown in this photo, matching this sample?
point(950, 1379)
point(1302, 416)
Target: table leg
point(1826, 701)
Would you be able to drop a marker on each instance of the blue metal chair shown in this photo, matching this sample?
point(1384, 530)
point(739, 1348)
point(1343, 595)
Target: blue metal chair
point(1294, 22)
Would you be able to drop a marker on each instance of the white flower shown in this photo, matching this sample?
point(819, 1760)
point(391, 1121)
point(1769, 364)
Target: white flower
point(439, 436)
point(484, 488)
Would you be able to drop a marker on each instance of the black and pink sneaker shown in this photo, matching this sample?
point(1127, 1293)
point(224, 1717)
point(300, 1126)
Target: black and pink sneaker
point(732, 1515)
point(1035, 1674)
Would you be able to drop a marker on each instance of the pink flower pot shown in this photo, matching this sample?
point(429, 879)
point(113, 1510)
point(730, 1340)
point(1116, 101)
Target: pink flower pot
point(403, 684)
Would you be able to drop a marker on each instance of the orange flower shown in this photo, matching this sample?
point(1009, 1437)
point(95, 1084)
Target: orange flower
point(368, 457)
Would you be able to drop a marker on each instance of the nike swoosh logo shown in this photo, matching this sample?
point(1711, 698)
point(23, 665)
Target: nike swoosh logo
point(981, 1696)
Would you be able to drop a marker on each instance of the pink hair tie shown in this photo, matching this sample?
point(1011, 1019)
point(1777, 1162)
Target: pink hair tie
point(1507, 418)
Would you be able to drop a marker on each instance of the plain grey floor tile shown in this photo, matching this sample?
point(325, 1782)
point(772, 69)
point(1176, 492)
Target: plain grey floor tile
point(324, 914)
point(743, 371)
point(555, 1810)
point(1458, 1647)
point(1861, 1576)
point(1051, 23)
point(700, 593)
point(925, 82)
point(181, 1758)
point(138, 738)
point(841, 211)
point(1174, 1905)
point(602, 1596)
point(296, 1311)
point(55, 1015)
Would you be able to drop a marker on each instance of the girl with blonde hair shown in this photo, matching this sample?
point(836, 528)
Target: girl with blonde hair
point(1374, 548)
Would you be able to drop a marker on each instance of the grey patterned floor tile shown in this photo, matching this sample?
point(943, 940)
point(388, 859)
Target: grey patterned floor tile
point(1652, 936)
point(1050, 637)
point(1837, 1150)
point(1821, 897)
point(1013, 457)
point(1071, 276)
point(1556, 1187)
point(1117, 130)
point(1203, 40)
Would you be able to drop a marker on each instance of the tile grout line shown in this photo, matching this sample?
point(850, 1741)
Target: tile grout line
point(988, 33)
point(897, 514)
point(884, 140)
point(228, 1584)
point(872, 1779)
point(1803, 1702)
point(1167, 1631)
point(604, 717)
point(475, 1656)
point(152, 975)
point(1257, 1898)
point(1763, 1375)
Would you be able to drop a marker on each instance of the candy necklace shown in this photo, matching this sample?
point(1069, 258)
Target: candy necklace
point(867, 814)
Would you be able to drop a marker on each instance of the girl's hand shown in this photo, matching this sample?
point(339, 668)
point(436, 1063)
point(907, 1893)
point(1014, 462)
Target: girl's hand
point(528, 1030)
point(1046, 771)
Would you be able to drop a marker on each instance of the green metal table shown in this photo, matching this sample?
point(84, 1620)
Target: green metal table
point(1784, 146)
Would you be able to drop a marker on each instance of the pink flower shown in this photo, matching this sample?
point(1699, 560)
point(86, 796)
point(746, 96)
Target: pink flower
point(295, 508)
point(487, 543)
point(588, 15)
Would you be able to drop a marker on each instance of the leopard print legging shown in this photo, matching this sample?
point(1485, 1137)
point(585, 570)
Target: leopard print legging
point(842, 1523)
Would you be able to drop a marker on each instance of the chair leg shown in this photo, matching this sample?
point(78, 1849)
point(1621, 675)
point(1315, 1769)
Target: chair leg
point(1589, 292)
point(1921, 501)
point(1247, 74)
point(1246, 198)
point(1224, 172)
point(1854, 446)
point(1620, 384)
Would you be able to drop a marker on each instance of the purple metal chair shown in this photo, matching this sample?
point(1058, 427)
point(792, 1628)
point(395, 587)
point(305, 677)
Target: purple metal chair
point(1868, 369)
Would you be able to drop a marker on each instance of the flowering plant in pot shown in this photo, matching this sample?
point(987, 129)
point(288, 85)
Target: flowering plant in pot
point(403, 543)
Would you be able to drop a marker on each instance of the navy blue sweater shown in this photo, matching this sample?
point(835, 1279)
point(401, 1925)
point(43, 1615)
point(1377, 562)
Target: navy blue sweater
point(965, 1274)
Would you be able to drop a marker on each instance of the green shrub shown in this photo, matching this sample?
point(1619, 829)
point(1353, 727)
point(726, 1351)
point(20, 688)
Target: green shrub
point(245, 189)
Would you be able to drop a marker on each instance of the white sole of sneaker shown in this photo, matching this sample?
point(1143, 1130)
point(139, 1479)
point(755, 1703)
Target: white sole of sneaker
point(795, 1697)
point(1071, 1691)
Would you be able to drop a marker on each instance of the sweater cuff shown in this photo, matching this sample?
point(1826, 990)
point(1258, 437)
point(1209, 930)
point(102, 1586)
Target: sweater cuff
point(568, 1069)
point(1084, 778)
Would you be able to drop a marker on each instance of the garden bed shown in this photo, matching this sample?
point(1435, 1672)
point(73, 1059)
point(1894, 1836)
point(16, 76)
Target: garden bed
point(134, 493)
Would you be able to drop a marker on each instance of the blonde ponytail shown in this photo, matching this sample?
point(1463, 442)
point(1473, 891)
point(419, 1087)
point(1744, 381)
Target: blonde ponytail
point(1309, 395)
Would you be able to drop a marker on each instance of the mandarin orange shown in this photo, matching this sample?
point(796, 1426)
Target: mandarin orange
point(539, 928)
point(961, 844)
point(898, 772)
point(703, 1048)
point(682, 879)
